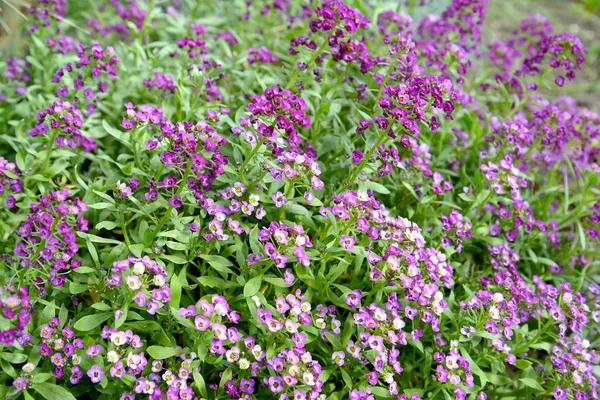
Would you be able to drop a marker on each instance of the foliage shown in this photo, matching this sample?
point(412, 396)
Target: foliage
point(291, 199)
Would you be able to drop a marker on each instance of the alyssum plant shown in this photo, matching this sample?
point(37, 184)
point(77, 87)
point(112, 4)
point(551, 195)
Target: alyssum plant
point(294, 200)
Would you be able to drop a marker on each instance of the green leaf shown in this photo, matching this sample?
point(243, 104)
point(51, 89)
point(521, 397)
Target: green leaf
point(225, 377)
point(137, 249)
point(410, 189)
point(199, 380)
point(347, 379)
point(97, 239)
point(182, 321)
point(160, 352)
point(213, 281)
point(175, 291)
point(117, 134)
point(14, 358)
point(101, 306)
point(51, 391)
point(177, 246)
point(474, 367)
point(43, 377)
point(532, 383)
point(522, 364)
point(175, 259)
point(377, 187)
point(218, 263)
point(100, 206)
point(279, 282)
point(105, 196)
point(108, 225)
point(47, 313)
point(252, 286)
point(90, 322)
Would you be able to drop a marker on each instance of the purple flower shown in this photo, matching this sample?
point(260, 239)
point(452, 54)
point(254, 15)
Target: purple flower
point(347, 242)
point(11, 201)
point(20, 384)
point(279, 199)
point(353, 298)
point(253, 258)
point(175, 201)
point(95, 373)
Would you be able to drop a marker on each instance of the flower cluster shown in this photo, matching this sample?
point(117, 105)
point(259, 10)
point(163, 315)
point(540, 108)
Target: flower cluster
point(407, 104)
point(145, 281)
point(340, 21)
point(10, 182)
point(126, 12)
point(59, 345)
point(534, 44)
point(49, 236)
point(377, 221)
point(281, 241)
point(161, 81)
point(18, 77)
point(262, 55)
point(93, 62)
point(16, 314)
point(454, 224)
point(275, 114)
point(208, 315)
point(64, 121)
point(395, 247)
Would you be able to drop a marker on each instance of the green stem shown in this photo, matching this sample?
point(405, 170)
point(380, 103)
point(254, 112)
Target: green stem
point(136, 157)
point(182, 184)
point(367, 157)
point(124, 228)
point(49, 151)
point(537, 336)
point(146, 18)
point(250, 156)
point(383, 134)
point(312, 60)
point(289, 190)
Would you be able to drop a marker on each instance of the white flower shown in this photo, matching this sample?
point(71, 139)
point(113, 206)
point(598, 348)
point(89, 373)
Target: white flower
point(436, 307)
point(244, 363)
point(498, 297)
point(306, 357)
point(29, 367)
point(379, 314)
point(308, 378)
point(452, 362)
point(494, 312)
point(253, 199)
point(256, 301)
point(159, 280)
point(112, 356)
point(118, 338)
point(320, 323)
point(399, 323)
point(138, 268)
point(133, 282)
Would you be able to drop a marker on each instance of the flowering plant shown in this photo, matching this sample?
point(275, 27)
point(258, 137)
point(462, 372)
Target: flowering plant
point(295, 200)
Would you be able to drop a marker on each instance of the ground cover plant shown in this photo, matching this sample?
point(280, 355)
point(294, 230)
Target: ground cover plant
point(295, 200)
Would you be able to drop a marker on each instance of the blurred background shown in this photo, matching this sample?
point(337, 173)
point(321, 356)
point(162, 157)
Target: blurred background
point(581, 17)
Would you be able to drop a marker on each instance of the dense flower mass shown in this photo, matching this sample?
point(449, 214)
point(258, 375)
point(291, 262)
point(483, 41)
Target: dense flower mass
point(295, 200)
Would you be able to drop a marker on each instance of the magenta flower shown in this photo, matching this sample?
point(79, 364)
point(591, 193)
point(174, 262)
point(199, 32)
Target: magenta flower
point(347, 242)
point(175, 202)
point(95, 373)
